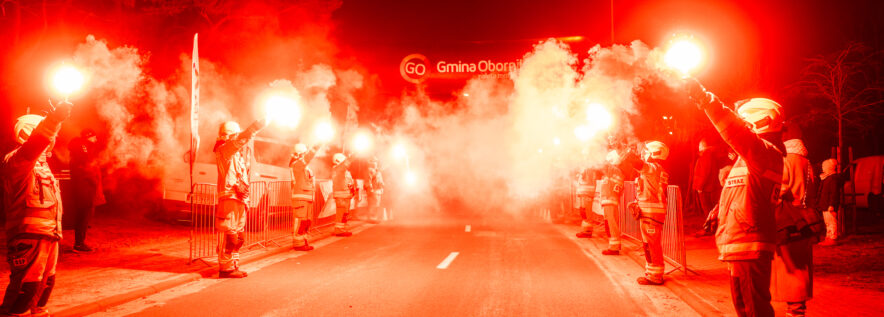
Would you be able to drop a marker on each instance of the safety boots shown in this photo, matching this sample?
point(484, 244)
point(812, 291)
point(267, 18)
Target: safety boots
point(610, 252)
point(584, 234)
point(232, 274)
point(647, 281)
point(304, 247)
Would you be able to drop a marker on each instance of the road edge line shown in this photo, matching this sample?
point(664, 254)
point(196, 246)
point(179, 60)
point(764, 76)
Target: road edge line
point(104, 304)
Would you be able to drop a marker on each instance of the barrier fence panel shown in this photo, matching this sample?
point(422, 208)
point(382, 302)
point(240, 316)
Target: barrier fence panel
point(673, 227)
point(203, 241)
point(279, 214)
point(269, 218)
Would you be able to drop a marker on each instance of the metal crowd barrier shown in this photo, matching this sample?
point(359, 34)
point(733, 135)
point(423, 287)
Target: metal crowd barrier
point(269, 220)
point(673, 227)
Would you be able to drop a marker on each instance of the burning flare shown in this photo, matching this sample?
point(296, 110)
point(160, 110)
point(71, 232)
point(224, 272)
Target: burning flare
point(684, 55)
point(324, 131)
point(599, 117)
point(283, 110)
point(361, 142)
point(67, 80)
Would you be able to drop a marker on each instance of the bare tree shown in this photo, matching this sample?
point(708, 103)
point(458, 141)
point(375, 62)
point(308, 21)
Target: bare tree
point(849, 82)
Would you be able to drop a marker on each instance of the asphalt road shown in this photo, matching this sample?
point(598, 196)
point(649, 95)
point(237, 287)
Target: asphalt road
point(497, 267)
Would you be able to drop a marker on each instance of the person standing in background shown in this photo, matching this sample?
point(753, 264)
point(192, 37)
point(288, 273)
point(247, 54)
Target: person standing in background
point(86, 184)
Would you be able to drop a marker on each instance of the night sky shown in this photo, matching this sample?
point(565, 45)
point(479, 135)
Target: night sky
point(756, 47)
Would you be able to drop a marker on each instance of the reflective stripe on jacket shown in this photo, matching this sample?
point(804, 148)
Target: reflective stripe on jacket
point(747, 223)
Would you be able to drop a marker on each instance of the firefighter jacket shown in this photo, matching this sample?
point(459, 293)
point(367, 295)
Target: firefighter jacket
point(375, 181)
point(32, 199)
point(651, 187)
point(342, 182)
point(586, 180)
point(611, 186)
point(233, 158)
point(302, 177)
point(746, 219)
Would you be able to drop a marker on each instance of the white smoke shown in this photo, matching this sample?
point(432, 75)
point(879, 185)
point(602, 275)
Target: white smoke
point(504, 141)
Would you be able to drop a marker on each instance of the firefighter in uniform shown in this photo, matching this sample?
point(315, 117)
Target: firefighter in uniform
point(302, 195)
point(233, 157)
point(611, 188)
point(585, 193)
point(375, 189)
point(343, 188)
point(32, 202)
point(746, 234)
point(651, 185)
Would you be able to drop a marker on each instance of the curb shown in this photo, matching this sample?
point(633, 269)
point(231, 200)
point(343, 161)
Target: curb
point(689, 297)
point(119, 299)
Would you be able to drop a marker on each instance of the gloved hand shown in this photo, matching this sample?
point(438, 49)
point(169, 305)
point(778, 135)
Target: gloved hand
point(698, 94)
point(634, 210)
point(264, 122)
point(60, 111)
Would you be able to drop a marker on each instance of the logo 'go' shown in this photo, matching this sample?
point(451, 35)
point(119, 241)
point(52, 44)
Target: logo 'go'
point(414, 68)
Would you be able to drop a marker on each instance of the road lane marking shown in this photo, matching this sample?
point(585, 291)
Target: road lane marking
point(445, 263)
point(468, 228)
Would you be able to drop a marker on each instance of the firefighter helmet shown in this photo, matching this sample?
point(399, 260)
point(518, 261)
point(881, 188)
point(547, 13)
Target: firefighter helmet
point(25, 125)
point(764, 115)
point(338, 158)
point(300, 149)
point(656, 150)
point(613, 157)
point(229, 128)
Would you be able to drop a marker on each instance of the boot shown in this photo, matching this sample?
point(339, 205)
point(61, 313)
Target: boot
point(646, 281)
point(343, 233)
point(584, 234)
point(304, 247)
point(610, 252)
point(232, 274)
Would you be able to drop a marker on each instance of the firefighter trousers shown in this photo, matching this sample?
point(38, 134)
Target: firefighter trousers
point(750, 287)
point(652, 240)
point(374, 207)
point(303, 215)
point(342, 209)
point(612, 216)
point(32, 274)
point(230, 222)
point(585, 210)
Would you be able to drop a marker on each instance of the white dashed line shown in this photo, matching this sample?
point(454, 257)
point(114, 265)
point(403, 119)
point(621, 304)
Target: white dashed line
point(445, 263)
point(467, 228)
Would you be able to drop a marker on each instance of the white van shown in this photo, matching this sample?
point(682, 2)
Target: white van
point(270, 164)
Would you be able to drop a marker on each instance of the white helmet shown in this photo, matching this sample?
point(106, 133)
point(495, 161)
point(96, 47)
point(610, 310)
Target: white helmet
point(656, 150)
point(763, 114)
point(613, 157)
point(300, 149)
point(229, 128)
point(25, 125)
point(338, 158)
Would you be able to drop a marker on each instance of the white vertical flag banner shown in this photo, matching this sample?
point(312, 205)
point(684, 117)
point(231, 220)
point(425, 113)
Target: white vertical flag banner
point(194, 105)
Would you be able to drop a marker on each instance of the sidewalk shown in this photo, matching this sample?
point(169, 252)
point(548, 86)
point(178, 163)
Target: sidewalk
point(132, 259)
point(835, 293)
